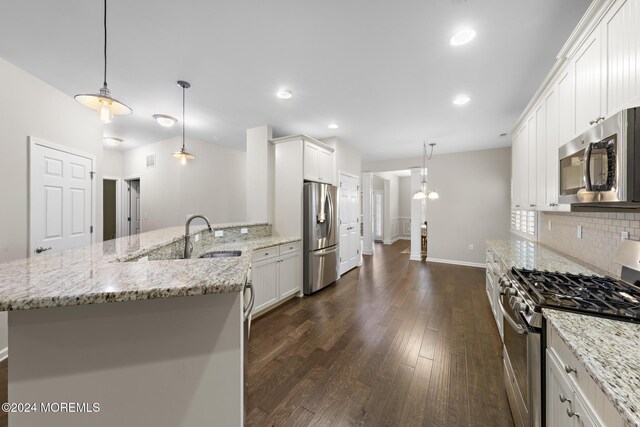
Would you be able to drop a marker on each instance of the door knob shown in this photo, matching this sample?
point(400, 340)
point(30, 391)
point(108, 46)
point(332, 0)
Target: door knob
point(41, 249)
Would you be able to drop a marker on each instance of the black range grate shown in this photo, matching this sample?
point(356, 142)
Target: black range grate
point(596, 295)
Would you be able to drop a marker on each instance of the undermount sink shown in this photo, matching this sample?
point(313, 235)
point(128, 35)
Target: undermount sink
point(220, 254)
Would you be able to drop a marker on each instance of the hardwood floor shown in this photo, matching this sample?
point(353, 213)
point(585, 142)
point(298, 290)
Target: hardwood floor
point(393, 343)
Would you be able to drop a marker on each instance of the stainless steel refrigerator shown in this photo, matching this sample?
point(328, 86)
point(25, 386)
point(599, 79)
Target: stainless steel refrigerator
point(320, 236)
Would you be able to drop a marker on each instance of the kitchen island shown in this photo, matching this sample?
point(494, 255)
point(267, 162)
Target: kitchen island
point(98, 335)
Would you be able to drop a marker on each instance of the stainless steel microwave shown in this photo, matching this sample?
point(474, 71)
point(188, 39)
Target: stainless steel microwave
point(601, 167)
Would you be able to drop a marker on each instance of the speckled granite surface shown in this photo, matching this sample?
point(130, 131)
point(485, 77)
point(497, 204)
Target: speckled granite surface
point(521, 253)
point(94, 274)
point(610, 351)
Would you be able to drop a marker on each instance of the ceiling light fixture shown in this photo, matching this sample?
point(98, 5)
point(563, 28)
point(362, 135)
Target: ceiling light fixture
point(164, 120)
point(102, 102)
point(112, 141)
point(284, 94)
point(183, 154)
point(462, 37)
point(461, 100)
point(423, 192)
point(333, 126)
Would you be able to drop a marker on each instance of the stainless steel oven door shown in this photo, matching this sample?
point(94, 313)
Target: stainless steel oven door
point(516, 363)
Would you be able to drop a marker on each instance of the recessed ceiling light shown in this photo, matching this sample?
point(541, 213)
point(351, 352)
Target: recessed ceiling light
point(284, 94)
point(333, 126)
point(165, 120)
point(461, 99)
point(111, 141)
point(462, 37)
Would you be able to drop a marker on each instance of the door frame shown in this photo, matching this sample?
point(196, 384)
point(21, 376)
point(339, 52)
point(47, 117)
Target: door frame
point(118, 181)
point(126, 205)
point(32, 141)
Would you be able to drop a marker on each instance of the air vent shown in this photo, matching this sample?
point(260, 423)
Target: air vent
point(151, 160)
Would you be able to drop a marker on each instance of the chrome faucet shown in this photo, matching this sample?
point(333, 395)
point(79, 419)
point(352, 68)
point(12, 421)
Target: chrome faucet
point(187, 238)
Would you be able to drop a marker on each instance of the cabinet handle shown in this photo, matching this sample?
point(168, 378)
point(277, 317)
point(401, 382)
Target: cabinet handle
point(553, 204)
point(563, 399)
point(517, 206)
point(568, 369)
point(532, 205)
point(570, 413)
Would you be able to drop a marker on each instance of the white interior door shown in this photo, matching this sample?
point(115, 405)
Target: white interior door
point(349, 223)
point(61, 198)
point(134, 207)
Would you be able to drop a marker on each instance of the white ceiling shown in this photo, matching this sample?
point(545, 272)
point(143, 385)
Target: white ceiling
point(382, 70)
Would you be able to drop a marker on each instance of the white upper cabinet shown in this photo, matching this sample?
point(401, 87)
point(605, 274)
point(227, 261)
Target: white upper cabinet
point(588, 83)
point(566, 104)
point(551, 117)
point(532, 162)
point(541, 159)
point(318, 163)
point(520, 169)
point(621, 38)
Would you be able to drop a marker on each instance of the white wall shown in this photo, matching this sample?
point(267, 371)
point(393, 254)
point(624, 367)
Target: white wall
point(347, 159)
point(112, 162)
point(214, 184)
point(30, 107)
point(474, 201)
point(391, 220)
point(405, 195)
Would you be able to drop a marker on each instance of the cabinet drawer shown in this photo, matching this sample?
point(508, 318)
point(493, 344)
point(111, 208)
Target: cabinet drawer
point(290, 247)
point(266, 253)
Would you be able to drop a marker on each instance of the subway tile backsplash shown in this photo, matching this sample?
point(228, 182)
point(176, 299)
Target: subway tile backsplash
point(601, 235)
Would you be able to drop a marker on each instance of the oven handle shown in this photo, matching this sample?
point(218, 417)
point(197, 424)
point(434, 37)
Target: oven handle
point(517, 327)
point(587, 167)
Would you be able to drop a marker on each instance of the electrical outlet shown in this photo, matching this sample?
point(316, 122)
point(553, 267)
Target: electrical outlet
point(471, 246)
point(244, 230)
point(624, 235)
point(197, 237)
point(218, 233)
point(579, 232)
point(549, 225)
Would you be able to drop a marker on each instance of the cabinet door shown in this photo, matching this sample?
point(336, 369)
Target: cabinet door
point(588, 82)
point(264, 276)
point(515, 174)
point(541, 158)
point(311, 161)
point(622, 52)
point(290, 274)
point(580, 415)
point(566, 105)
point(551, 149)
point(531, 158)
point(325, 165)
point(559, 396)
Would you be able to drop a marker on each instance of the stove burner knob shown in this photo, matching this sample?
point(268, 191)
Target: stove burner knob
point(518, 304)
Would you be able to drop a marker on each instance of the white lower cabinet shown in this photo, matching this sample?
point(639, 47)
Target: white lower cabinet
point(573, 399)
point(276, 273)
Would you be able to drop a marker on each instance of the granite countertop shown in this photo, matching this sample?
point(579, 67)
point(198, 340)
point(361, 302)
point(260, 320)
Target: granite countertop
point(522, 253)
point(609, 350)
point(94, 274)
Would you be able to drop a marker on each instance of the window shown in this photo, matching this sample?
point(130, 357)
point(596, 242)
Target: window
point(524, 222)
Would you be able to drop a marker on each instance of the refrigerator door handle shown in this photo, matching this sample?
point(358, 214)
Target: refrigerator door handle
point(325, 252)
point(330, 225)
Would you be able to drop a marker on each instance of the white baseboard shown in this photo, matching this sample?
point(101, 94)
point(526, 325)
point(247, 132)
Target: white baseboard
point(404, 238)
point(4, 353)
point(367, 252)
point(392, 241)
point(451, 261)
point(412, 258)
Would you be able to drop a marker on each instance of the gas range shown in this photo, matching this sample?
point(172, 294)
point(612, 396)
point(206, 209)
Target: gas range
point(592, 295)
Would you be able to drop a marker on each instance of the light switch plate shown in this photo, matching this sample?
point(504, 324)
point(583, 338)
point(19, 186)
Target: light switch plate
point(244, 230)
point(624, 235)
point(579, 232)
point(471, 246)
point(218, 233)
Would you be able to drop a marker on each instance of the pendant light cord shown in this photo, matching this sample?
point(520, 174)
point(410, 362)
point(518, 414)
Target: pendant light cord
point(183, 132)
point(105, 43)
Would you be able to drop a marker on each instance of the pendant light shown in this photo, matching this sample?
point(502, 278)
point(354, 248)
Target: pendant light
point(423, 193)
point(183, 154)
point(102, 102)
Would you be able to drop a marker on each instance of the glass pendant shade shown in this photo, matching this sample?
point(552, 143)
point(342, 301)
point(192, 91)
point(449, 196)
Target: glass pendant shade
point(423, 193)
point(433, 195)
point(183, 155)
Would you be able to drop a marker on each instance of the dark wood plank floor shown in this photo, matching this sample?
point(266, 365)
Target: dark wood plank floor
point(394, 343)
